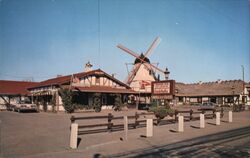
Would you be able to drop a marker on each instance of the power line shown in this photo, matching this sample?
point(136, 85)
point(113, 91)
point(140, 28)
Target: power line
point(99, 36)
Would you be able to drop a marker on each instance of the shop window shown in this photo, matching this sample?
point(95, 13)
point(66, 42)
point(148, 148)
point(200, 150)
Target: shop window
point(180, 99)
point(229, 100)
point(213, 100)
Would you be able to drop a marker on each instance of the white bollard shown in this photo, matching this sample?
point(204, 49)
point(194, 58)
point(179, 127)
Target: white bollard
point(73, 135)
point(217, 118)
point(149, 132)
point(125, 127)
point(202, 121)
point(181, 124)
point(230, 116)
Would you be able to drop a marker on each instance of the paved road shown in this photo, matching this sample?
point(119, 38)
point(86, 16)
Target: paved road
point(234, 143)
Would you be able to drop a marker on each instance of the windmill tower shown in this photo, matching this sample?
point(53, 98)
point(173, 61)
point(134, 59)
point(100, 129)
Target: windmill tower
point(143, 72)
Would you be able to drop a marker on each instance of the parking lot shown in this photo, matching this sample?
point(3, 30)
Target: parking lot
point(47, 135)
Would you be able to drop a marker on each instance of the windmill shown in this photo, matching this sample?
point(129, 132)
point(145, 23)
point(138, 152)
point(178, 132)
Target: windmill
point(143, 72)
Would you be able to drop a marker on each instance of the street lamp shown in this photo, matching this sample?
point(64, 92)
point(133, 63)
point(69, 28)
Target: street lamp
point(166, 73)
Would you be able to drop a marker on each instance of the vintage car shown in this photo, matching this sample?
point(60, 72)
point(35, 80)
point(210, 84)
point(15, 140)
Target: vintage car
point(208, 106)
point(21, 106)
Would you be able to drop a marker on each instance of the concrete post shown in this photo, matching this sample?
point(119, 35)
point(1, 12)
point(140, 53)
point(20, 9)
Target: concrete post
point(217, 118)
point(202, 121)
point(230, 116)
point(149, 131)
point(125, 127)
point(181, 124)
point(73, 135)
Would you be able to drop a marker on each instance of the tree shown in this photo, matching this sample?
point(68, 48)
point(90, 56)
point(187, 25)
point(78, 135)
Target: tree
point(67, 99)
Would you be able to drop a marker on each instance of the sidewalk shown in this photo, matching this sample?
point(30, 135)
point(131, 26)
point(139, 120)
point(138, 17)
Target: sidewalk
point(108, 144)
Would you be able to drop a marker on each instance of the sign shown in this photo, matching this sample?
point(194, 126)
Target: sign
point(163, 89)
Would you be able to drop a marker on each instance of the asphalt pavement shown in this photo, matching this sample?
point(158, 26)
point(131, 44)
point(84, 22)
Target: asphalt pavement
point(41, 135)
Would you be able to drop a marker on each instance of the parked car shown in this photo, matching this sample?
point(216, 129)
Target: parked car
point(208, 106)
point(143, 106)
point(21, 106)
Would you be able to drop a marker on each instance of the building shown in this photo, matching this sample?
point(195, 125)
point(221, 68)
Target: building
point(220, 92)
point(86, 84)
point(11, 91)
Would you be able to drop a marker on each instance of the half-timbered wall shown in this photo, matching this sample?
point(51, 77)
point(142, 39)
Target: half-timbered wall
point(99, 81)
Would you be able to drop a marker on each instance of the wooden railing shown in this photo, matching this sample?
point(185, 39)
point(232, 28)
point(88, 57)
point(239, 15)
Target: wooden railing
point(137, 120)
point(209, 113)
point(108, 123)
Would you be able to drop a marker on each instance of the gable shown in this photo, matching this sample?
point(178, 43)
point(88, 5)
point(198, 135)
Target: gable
point(98, 79)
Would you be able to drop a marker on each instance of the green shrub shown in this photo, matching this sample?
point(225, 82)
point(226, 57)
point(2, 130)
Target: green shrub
point(67, 96)
point(118, 102)
point(161, 111)
point(97, 102)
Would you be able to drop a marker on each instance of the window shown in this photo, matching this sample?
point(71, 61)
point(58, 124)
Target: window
point(229, 100)
point(180, 99)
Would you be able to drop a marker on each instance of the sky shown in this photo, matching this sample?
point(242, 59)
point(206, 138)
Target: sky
point(200, 40)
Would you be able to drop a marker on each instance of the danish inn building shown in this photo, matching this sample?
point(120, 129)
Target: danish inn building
point(87, 83)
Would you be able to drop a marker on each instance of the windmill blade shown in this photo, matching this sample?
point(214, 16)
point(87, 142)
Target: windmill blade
point(132, 73)
point(128, 51)
point(153, 46)
point(158, 69)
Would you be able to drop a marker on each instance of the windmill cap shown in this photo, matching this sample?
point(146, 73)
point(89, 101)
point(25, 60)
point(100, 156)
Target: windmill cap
point(142, 57)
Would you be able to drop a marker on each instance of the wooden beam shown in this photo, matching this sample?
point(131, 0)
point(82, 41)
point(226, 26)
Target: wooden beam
point(6, 102)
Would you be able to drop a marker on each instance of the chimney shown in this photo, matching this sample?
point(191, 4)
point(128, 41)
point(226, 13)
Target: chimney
point(88, 67)
point(219, 81)
point(113, 75)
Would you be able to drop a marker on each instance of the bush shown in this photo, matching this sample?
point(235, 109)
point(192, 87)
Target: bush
point(161, 112)
point(67, 96)
point(97, 102)
point(118, 102)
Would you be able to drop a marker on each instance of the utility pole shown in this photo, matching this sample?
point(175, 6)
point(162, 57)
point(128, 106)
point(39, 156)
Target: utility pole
point(243, 96)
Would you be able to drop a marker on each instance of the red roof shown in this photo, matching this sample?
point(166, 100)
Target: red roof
point(15, 87)
point(223, 88)
point(66, 79)
point(103, 89)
